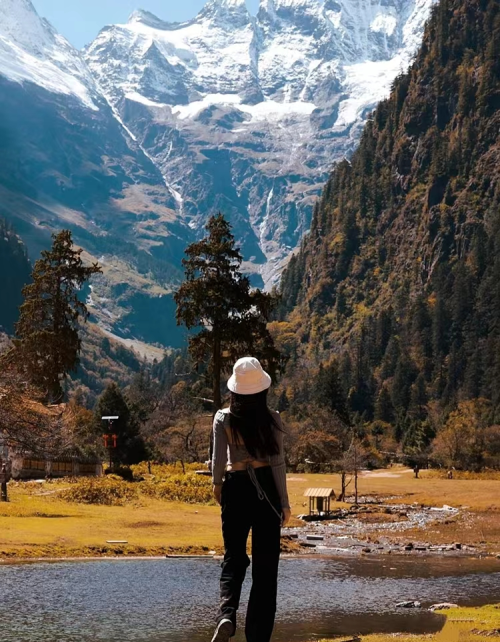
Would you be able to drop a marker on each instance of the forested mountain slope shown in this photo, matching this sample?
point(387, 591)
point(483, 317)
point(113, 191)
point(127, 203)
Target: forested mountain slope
point(400, 275)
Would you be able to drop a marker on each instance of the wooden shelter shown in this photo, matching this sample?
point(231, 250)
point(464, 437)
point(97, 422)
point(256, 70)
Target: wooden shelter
point(319, 500)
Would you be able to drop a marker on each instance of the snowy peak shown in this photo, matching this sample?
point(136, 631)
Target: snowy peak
point(147, 18)
point(247, 114)
point(31, 50)
point(226, 13)
point(226, 5)
point(214, 10)
point(217, 6)
point(20, 24)
point(174, 64)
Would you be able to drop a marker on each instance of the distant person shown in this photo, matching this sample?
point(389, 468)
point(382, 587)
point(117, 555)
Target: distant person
point(450, 474)
point(4, 478)
point(249, 476)
point(416, 470)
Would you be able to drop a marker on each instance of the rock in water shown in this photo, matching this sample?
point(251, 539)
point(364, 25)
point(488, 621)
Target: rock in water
point(443, 606)
point(411, 604)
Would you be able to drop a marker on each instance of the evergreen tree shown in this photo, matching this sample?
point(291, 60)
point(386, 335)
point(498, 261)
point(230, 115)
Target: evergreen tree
point(391, 358)
point(217, 298)
point(130, 448)
point(48, 343)
point(418, 399)
point(384, 410)
point(401, 384)
point(328, 392)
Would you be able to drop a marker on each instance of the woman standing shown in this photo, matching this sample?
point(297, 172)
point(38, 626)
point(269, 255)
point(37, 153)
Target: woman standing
point(248, 448)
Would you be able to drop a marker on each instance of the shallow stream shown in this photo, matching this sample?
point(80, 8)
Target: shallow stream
point(174, 600)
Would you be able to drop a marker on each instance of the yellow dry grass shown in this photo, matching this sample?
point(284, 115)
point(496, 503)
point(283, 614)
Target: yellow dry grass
point(462, 625)
point(39, 523)
point(479, 497)
point(43, 525)
point(478, 494)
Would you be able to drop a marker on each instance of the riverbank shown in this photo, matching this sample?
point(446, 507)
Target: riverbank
point(462, 625)
point(37, 523)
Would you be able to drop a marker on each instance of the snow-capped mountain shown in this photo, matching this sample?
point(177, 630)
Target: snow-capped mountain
point(247, 114)
point(31, 50)
point(68, 161)
point(136, 141)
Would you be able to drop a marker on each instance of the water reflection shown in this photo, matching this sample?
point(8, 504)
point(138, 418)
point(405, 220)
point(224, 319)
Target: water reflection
point(174, 600)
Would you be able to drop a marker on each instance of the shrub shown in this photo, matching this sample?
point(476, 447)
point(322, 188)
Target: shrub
point(189, 488)
point(123, 472)
point(163, 471)
point(105, 491)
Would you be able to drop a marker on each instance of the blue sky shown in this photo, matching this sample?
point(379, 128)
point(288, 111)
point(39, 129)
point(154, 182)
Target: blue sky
point(81, 20)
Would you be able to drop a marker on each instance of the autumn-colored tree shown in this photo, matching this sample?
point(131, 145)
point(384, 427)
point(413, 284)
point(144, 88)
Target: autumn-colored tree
point(176, 430)
point(216, 298)
point(350, 464)
point(492, 446)
point(461, 442)
point(27, 425)
point(316, 448)
point(48, 342)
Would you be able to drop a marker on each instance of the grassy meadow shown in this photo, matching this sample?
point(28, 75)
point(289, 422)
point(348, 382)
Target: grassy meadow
point(37, 521)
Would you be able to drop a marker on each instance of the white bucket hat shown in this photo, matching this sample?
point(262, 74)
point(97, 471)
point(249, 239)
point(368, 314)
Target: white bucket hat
point(248, 377)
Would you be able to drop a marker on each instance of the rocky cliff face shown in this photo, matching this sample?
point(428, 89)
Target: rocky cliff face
point(247, 114)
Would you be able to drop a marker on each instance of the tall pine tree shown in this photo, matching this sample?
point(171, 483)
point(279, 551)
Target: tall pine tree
point(48, 343)
point(217, 298)
point(329, 394)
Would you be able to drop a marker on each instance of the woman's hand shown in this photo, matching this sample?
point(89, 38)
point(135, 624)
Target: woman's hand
point(287, 513)
point(217, 492)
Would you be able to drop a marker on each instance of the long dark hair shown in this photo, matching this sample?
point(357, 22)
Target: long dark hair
point(251, 420)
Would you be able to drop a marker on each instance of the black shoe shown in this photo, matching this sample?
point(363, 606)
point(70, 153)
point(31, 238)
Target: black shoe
point(224, 631)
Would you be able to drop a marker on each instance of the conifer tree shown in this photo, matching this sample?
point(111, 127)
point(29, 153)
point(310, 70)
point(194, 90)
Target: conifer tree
point(217, 298)
point(48, 343)
point(329, 394)
point(384, 410)
point(418, 399)
point(130, 448)
point(401, 384)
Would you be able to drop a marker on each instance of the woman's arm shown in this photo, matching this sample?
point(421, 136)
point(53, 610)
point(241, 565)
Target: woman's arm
point(219, 456)
point(279, 468)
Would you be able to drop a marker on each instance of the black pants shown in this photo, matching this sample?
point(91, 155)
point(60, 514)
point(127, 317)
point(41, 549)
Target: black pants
point(242, 510)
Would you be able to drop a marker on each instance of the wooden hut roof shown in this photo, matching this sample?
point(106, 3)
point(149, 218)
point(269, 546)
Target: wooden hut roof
point(319, 492)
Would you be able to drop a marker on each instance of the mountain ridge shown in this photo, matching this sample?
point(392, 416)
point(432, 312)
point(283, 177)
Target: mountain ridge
point(268, 90)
